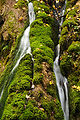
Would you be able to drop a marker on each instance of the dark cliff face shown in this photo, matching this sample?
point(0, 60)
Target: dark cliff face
point(19, 100)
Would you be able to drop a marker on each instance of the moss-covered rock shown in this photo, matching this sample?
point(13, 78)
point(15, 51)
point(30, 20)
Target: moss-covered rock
point(30, 92)
point(20, 82)
point(70, 52)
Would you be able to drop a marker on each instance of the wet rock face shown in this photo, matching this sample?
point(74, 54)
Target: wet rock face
point(1, 20)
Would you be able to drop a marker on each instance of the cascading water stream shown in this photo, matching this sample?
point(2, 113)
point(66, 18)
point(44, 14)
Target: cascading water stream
point(61, 81)
point(62, 13)
point(24, 47)
point(1, 92)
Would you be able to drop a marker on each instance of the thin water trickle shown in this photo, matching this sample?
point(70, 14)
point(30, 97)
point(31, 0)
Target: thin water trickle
point(1, 93)
point(61, 81)
point(62, 13)
point(24, 47)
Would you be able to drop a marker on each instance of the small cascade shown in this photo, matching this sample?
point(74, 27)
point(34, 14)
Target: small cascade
point(1, 93)
point(61, 81)
point(24, 47)
point(62, 11)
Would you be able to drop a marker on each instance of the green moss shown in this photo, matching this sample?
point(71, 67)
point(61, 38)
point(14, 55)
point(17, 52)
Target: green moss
point(42, 47)
point(5, 78)
point(74, 78)
point(71, 3)
point(48, 106)
point(21, 3)
point(66, 63)
point(64, 30)
point(14, 106)
point(51, 90)
point(2, 2)
point(46, 19)
point(20, 81)
point(42, 35)
point(53, 107)
point(58, 111)
point(74, 47)
point(72, 13)
point(63, 41)
point(38, 77)
point(45, 51)
point(40, 30)
point(33, 113)
point(37, 66)
point(69, 60)
point(41, 41)
point(40, 7)
point(70, 23)
point(37, 21)
point(74, 97)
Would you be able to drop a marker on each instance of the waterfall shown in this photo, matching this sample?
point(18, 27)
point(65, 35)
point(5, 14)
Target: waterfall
point(1, 92)
point(24, 47)
point(62, 13)
point(61, 81)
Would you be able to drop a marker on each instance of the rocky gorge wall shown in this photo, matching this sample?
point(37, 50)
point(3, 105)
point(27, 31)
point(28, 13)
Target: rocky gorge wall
point(20, 100)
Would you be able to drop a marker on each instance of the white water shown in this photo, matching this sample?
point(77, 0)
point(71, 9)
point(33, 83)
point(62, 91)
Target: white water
point(62, 13)
point(61, 81)
point(1, 93)
point(24, 47)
